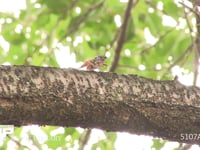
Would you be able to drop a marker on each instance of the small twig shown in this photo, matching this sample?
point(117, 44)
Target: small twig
point(50, 35)
point(197, 55)
point(73, 3)
point(191, 9)
point(122, 34)
point(113, 40)
point(18, 143)
point(159, 40)
point(197, 47)
point(85, 139)
point(82, 19)
point(154, 5)
point(196, 66)
point(48, 39)
point(189, 25)
point(184, 147)
point(179, 58)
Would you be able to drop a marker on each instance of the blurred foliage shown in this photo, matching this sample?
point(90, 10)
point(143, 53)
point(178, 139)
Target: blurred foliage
point(158, 144)
point(89, 28)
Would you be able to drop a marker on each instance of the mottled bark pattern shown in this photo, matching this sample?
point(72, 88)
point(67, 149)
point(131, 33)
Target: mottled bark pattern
point(70, 97)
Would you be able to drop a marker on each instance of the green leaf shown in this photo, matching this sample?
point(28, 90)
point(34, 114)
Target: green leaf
point(158, 144)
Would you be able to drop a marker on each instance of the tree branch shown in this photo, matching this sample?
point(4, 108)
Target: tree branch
point(80, 19)
point(122, 34)
point(181, 57)
point(70, 97)
point(18, 143)
point(156, 43)
point(84, 139)
point(197, 47)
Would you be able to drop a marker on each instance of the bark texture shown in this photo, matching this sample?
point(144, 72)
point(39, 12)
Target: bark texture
point(70, 97)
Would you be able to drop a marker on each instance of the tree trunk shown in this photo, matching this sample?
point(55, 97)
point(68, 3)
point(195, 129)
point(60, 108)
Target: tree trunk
point(70, 97)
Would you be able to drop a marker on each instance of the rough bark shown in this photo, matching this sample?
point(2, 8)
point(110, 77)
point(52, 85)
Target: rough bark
point(70, 97)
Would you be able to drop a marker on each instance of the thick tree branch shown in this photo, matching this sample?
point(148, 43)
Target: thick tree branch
point(70, 97)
